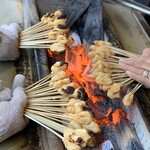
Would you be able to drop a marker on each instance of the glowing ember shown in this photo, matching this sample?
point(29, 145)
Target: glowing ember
point(57, 56)
point(118, 115)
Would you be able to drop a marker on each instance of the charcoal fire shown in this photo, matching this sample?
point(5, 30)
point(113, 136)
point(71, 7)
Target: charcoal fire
point(108, 113)
point(81, 96)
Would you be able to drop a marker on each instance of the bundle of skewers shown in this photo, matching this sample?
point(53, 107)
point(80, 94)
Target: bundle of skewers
point(56, 104)
point(47, 34)
point(107, 73)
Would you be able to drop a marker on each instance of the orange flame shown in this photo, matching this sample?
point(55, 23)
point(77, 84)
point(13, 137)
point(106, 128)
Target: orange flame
point(78, 67)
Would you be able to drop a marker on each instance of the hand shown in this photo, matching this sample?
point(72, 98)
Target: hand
point(9, 42)
point(135, 67)
point(12, 109)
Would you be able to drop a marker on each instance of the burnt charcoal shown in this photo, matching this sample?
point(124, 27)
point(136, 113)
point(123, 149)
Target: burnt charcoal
point(62, 16)
point(93, 29)
point(98, 92)
point(62, 52)
point(73, 10)
point(107, 145)
point(118, 136)
point(142, 97)
point(82, 94)
point(105, 105)
point(95, 91)
point(95, 109)
point(79, 140)
point(134, 145)
point(85, 108)
point(63, 63)
point(48, 14)
point(51, 15)
point(69, 90)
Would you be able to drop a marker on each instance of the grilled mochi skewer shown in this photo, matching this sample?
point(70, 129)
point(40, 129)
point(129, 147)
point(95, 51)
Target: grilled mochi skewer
point(60, 107)
point(47, 34)
point(105, 70)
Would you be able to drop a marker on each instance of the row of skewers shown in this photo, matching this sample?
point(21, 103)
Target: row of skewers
point(107, 73)
point(47, 34)
point(56, 104)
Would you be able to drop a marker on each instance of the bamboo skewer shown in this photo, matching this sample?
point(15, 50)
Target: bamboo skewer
point(65, 123)
point(40, 86)
point(38, 91)
point(128, 99)
point(134, 90)
point(54, 98)
point(47, 109)
point(48, 122)
point(122, 52)
point(33, 27)
point(31, 117)
point(36, 30)
point(35, 46)
point(45, 33)
point(38, 42)
point(45, 94)
point(48, 104)
point(35, 37)
point(38, 82)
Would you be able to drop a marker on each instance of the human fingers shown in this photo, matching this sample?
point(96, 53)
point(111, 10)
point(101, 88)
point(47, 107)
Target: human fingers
point(12, 118)
point(19, 98)
point(15, 28)
point(4, 26)
point(19, 81)
point(5, 95)
point(127, 67)
point(139, 78)
point(137, 62)
point(8, 45)
point(146, 52)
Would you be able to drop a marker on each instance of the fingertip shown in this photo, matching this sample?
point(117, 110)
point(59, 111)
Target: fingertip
point(19, 81)
point(146, 52)
point(16, 27)
point(5, 95)
point(19, 95)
